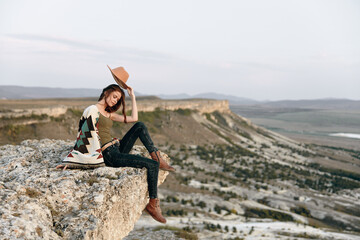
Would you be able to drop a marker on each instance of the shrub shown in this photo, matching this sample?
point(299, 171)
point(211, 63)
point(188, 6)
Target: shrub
point(303, 211)
point(201, 204)
point(267, 213)
point(184, 112)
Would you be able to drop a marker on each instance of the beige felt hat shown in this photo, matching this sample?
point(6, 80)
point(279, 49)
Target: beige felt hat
point(120, 76)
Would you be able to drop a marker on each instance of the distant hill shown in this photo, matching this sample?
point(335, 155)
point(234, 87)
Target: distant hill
point(19, 92)
point(326, 103)
point(217, 96)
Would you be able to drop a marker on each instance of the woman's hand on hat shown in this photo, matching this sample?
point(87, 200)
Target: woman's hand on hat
point(130, 91)
point(62, 166)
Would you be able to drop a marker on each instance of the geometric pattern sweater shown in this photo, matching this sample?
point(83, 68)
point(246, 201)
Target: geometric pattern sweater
point(87, 150)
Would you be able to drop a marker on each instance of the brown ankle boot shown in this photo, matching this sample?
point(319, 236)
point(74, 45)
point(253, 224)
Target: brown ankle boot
point(153, 208)
point(163, 165)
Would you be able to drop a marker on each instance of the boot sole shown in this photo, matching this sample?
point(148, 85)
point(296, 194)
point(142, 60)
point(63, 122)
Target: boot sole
point(153, 217)
point(168, 170)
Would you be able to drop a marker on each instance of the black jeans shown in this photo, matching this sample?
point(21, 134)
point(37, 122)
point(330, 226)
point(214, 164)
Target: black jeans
point(118, 155)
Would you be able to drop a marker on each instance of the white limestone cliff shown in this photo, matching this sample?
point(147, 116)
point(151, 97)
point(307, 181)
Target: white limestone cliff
point(41, 202)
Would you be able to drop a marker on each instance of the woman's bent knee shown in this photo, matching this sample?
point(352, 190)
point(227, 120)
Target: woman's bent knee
point(140, 125)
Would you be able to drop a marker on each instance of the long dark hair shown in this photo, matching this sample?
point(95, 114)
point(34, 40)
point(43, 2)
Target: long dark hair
point(105, 93)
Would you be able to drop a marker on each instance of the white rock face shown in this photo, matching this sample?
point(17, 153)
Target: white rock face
point(41, 202)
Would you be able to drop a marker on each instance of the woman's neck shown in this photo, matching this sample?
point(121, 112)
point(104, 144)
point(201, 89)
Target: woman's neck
point(101, 104)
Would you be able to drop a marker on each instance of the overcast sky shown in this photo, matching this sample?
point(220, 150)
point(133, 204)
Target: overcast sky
point(259, 49)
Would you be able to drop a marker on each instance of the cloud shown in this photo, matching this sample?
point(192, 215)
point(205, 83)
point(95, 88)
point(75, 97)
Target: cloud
point(40, 44)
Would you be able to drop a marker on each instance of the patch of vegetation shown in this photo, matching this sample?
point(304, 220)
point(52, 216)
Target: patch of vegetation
point(201, 204)
point(61, 118)
point(244, 134)
point(14, 130)
point(76, 112)
point(349, 210)
point(172, 199)
point(208, 117)
point(183, 180)
point(176, 212)
point(184, 233)
point(212, 227)
point(220, 119)
point(241, 122)
point(190, 201)
point(264, 133)
point(339, 183)
point(329, 183)
point(294, 150)
point(306, 235)
point(151, 117)
point(236, 238)
point(264, 201)
point(226, 195)
point(184, 111)
point(352, 152)
point(330, 221)
point(222, 151)
point(263, 145)
point(300, 235)
point(261, 171)
point(217, 132)
point(218, 209)
point(267, 213)
point(337, 172)
point(175, 160)
point(303, 211)
point(32, 116)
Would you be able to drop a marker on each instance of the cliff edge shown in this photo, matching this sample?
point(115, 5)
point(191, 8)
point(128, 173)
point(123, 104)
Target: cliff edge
point(41, 202)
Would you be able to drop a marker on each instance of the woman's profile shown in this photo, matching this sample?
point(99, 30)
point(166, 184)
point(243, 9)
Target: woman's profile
point(96, 147)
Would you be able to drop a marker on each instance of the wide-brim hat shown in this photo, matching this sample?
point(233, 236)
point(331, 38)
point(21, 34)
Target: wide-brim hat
point(120, 75)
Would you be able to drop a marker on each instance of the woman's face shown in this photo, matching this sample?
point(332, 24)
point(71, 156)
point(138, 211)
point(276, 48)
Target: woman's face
point(113, 98)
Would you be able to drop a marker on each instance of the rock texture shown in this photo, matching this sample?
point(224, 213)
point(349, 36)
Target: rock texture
point(41, 202)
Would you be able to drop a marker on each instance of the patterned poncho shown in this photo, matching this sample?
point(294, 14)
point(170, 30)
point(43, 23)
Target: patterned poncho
point(87, 150)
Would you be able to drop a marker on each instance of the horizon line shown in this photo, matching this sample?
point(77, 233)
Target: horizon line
point(190, 95)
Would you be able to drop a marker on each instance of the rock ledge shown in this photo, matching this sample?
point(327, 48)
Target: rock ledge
point(41, 202)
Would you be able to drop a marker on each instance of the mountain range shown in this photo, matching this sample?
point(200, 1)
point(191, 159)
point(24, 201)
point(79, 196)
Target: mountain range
point(21, 92)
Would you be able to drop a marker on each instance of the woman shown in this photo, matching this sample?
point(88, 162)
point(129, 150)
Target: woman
point(115, 153)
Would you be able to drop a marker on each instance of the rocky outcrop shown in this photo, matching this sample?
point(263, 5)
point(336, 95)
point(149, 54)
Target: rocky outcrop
point(39, 201)
point(201, 105)
point(11, 110)
point(50, 111)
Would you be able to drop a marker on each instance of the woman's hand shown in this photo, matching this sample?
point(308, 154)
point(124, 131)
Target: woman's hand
point(130, 91)
point(62, 166)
